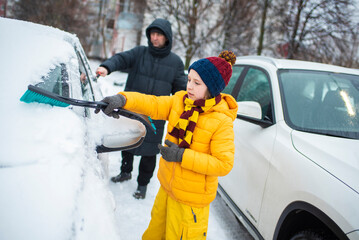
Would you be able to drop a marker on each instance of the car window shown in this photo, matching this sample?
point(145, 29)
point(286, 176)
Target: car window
point(56, 81)
point(255, 87)
point(321, 102)
point(236, 72)
point(65, 79)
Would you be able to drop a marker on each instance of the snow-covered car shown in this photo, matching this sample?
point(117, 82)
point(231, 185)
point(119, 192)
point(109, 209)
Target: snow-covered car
point(296, 168)
point(53, 182)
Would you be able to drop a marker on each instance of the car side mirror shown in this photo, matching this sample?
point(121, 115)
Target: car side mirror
point(250, 109)
point(121, 134)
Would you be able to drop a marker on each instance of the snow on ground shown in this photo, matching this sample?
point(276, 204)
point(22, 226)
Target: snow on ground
point(134, 215)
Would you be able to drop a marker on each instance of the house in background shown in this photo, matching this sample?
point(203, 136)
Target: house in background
point(119, 26)
point(5, 8)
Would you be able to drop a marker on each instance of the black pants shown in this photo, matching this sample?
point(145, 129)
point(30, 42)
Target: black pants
point(146, 168)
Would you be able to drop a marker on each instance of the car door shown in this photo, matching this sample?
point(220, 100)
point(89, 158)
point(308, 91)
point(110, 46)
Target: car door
point(254, 140)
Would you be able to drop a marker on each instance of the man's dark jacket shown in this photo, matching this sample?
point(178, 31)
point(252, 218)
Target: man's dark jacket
point(155, 71)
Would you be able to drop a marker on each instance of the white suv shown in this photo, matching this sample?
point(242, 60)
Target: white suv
point(296, 168)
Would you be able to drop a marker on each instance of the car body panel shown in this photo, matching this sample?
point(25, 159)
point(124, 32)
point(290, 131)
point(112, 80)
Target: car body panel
point(285, 185)
point(256, 170)
point(338, 156)
point(353, 235)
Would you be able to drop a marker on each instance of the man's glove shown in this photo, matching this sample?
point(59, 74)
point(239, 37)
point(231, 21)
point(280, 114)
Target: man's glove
point(114, 102)
point(172, 153)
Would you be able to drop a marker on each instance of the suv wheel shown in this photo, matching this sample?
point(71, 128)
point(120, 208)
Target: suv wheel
point(310, 234)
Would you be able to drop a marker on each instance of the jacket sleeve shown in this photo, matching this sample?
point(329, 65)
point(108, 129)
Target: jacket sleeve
point(121, 61)
point(180, 81)
point(158, 108)
point(220, 161)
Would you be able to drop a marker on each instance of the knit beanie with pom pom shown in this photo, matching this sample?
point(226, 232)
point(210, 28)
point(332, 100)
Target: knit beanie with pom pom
point(215, 71)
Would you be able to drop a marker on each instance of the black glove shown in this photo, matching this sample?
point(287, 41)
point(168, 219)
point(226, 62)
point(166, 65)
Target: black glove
point(114, 102)
point(172, 153)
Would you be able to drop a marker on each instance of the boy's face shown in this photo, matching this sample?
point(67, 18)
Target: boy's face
point(196, 88)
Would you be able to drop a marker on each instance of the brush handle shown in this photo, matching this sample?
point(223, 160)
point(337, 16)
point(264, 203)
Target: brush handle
point(147, 121)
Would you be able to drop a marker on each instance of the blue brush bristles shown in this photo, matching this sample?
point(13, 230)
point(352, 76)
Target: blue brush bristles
point(153, 125)
point(30, 96)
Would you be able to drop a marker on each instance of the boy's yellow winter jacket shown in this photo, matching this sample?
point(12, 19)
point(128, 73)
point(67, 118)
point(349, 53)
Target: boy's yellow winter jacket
point(194, 181)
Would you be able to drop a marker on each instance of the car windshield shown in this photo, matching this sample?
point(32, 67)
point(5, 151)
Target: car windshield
point(56, 81)
point(321, 102)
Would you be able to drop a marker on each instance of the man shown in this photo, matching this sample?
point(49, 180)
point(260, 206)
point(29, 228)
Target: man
point(152, 70)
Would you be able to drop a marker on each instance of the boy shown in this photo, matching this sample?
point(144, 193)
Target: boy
point(200, 146)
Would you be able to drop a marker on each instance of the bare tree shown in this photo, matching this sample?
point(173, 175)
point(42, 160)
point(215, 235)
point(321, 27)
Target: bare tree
point(262, 27)
point(195, 23)
point(239, 25)
point(68, 15)
point(318, 30)
point(139, 9)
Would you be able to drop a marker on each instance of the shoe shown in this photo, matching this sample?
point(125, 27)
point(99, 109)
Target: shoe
point(140, 193)
point(123, 176)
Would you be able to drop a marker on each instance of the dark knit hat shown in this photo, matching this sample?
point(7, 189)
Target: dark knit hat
point(215, 71)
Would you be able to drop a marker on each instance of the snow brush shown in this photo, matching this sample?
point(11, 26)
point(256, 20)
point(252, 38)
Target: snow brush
point(36, 94)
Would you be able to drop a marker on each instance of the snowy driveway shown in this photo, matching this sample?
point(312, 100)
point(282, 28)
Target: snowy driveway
point(134, 215)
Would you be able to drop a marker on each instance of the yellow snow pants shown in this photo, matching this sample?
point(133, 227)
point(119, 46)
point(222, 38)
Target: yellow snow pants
point(171, 220)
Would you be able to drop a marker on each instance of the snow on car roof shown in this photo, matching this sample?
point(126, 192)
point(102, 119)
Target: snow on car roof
point(294, 64)
point(33, 47)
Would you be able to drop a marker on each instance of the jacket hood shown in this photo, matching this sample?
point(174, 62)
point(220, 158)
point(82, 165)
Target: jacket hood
point(165, 26)
point(228, 106)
